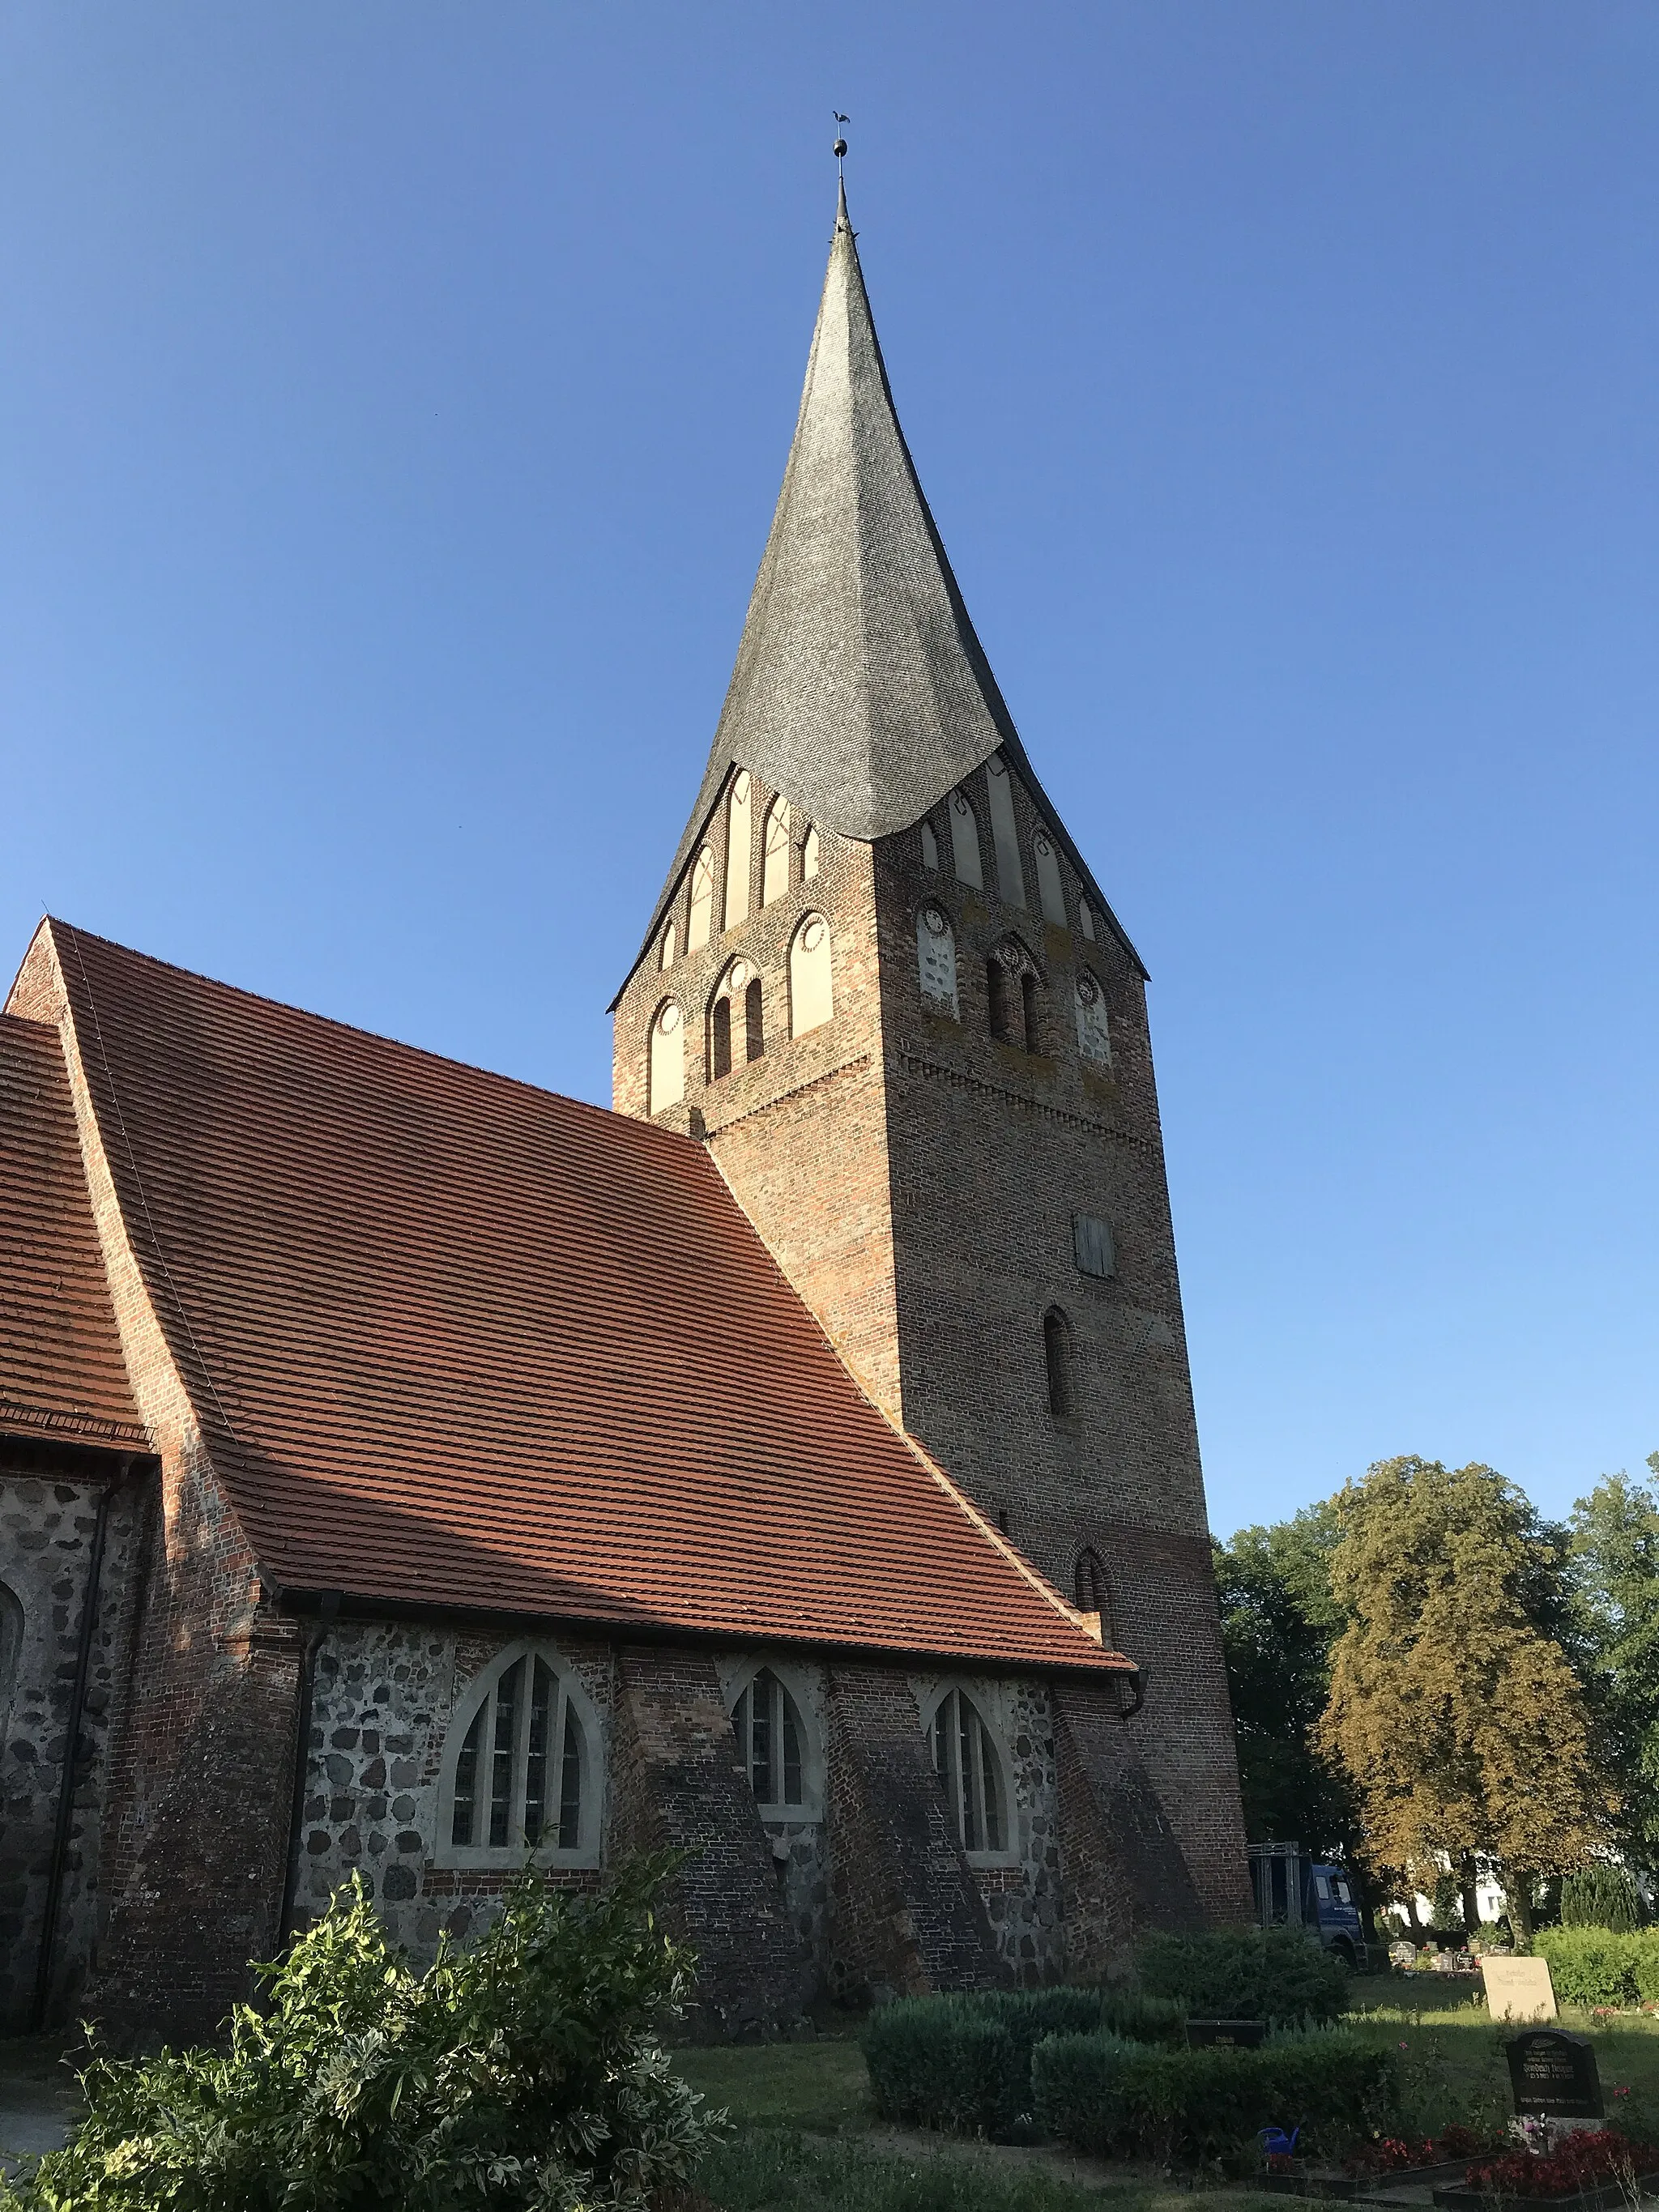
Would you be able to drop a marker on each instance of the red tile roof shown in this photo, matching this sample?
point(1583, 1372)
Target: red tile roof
point(61, 1368)
point(456, 1342)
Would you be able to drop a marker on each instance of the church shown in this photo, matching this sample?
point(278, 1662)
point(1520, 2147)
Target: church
point(405, 1470)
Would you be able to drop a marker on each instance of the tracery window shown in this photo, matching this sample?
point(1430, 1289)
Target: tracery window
point(964, 842)
point(739, 849)
point(936, 959)
point(520, 1766)
point(811, 989)
point(702, 901)
point(666, 1070)
point(775, 874)
point(1094, 1037)
point(969, 1769)
point(776, 1747)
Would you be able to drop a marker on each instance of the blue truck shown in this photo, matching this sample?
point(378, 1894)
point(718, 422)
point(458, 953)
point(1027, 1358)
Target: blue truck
point(1294, 1891)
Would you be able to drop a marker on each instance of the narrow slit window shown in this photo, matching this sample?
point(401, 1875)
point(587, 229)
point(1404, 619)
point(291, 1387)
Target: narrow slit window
point(774, 872)
point(754, 1027)
point(809, 856)
point(702, 901)
point(1057, 1360)
point(719, 1054)
point(964, 842)
point(739, 849)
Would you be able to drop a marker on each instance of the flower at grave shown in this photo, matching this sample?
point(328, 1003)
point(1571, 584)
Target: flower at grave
point(1621, 2089)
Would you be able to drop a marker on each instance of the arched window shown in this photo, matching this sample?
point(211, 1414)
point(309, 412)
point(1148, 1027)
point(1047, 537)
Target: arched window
point(1011, 980)
point(811, 993)
point(929, 846)
point(1094, 1592)
point(1051, 893)
point(969, 1769)
point(775, 875)
point(702, 901)
point(519, 1769)
point(1093, 1039)
point(754, 1028)
point(1010, 876)
point(1085, 915)
point(665, 1075)
point(739, 849)
point(11, 1645)
point(728, 1017)
point(1057, 1360)
point(964, 842)
point(777, 1749)
point(936, 959)
point(809, 856)
point(666, 958)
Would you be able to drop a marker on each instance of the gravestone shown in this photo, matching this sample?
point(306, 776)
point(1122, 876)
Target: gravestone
point(1552, 2076)
point(1518, 1989)
point(1245, 2034)
point(1403, 1954)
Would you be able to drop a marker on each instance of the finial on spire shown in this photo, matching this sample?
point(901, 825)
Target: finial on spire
point(839, 150)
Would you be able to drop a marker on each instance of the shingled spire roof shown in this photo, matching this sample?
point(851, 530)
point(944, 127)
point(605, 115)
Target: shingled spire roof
point(860, 690)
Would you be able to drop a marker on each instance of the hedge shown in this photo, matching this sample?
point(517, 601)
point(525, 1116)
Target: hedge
point(1602, 1896)
point(1278, 1975)
point(1106, 2094)
point(1596, 1966)
point(965, 2062)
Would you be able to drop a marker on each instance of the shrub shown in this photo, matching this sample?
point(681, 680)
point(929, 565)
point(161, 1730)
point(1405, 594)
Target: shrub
point(520, 2073)
point(1590, 1966)
point(1106, 2094)
point(1580, 2162)
point(965, 2062)
point(1602, 1896)
point(1275, 1974)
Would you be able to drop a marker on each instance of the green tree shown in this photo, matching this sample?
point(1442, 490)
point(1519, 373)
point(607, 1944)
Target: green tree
point(1279, 1621)
point(1616, 1568)
point(1457, 1715)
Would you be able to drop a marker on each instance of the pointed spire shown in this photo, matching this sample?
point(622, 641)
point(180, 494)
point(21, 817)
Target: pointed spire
point(860, 689)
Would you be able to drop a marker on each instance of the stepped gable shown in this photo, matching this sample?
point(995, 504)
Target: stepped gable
point(457, 1342)
point(860, 691)
point(61, 1368)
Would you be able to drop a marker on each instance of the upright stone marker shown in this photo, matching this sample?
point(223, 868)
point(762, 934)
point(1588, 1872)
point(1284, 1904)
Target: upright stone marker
point(1518, 1989)
point(1553, 2075)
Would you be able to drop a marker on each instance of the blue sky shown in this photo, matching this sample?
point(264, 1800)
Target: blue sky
point(394, 399)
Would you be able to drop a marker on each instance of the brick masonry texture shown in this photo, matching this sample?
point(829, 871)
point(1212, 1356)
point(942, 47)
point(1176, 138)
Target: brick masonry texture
point(917, 1180)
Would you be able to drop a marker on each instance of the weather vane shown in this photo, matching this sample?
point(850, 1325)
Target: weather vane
point(839, 149)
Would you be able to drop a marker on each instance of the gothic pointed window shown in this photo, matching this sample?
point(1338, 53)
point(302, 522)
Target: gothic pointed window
point(969, 1768)
point(754, 1027)
point(774, 872)
point(666, 960)
point(929, 846)
point(964, 842)
point(728, 1018)
point(1051, 892)
point(665, 1071)
point(739, 848)
point(1093, 1039)
point(702, 901)
point(519, 1767)
point(809, 856)
point(1057, 1361)
point(936, 960)
point(1005, 836)
point(777, 1750)
point(1013, 986)
point(811, 990)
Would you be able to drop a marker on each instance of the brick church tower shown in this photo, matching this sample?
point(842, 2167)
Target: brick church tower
point(884, 985)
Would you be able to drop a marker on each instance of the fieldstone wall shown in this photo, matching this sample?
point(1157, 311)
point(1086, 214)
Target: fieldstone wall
point(48, 1516)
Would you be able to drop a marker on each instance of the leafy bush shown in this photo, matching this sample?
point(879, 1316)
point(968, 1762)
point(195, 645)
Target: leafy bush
point(1106, 2094)
point(520, 2073)
point(1592, 1965)
point(965, 2062)
point(1274, 1974)
point(1580, 2162)
point(1602, 1896)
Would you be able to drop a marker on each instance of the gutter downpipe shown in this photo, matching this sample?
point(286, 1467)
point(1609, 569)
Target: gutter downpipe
point(331, 1607)
point(60, 1835)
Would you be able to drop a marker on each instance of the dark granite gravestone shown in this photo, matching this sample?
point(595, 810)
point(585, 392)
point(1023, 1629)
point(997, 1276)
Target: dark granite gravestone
point(1554, 2074)
point(1245, 2033)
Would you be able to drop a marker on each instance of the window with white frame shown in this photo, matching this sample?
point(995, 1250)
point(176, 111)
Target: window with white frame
point(777, 1748)
point(969, 1769)
point(520, 1767)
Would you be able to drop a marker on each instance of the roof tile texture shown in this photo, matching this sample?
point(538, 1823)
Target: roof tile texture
point(457, 1341)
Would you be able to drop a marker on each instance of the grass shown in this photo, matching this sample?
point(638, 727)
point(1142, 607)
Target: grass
point(819, 2087)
